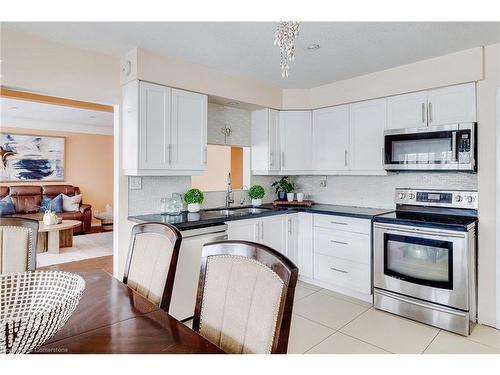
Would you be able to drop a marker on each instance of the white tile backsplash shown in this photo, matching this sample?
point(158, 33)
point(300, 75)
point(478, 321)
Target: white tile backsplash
point(362, 191)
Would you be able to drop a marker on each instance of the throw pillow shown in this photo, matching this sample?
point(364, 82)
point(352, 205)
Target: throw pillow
point(7, 206)
point(55, 204)
point(71, 203)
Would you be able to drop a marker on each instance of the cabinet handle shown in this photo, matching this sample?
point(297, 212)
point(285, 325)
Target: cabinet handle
point(289, 226)
point(282, 159)
point(338, 222)
point(423, 113)
point(338, 270)
point(258, 232)
point(430, 112)
point(205, 155)
point(339, 242)
point(169, 153)
point(271, 159)
point(345, 158)
point(262, 231)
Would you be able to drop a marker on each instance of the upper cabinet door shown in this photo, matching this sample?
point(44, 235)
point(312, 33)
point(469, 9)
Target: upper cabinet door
point(189, 130)
point(274, 140)
point(407, 111)
point(330, 138)
point(452, 105)
point(154, 128)
point(368, 121)
point(295, 134)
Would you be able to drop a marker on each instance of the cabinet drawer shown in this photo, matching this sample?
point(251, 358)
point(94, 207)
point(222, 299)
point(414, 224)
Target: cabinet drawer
point(343, 273)
point(344, 223)
point(354, 247)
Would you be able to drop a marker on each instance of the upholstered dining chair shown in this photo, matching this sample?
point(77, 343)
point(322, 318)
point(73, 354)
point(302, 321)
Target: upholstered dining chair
point(152, 261)
point(245, 297)
point(18, 238)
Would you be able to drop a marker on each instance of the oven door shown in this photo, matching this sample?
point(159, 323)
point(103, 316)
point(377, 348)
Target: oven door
point(423, 263)
point(446, 147)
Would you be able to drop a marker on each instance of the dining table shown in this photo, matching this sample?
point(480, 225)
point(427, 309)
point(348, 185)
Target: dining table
point(112, 318)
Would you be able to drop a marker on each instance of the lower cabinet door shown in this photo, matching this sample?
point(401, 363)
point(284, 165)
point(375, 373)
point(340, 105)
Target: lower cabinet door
point(245, 230)
point(272, 233)
point(346, 274)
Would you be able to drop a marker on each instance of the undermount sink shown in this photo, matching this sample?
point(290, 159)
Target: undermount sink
point(227, 212)
point(240, 211)
point(253, 210)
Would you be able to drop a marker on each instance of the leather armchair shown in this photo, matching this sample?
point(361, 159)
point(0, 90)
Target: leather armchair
point(86, 210)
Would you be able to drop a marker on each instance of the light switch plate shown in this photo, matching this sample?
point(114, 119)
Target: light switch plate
point(322, 181)
point(135, 183)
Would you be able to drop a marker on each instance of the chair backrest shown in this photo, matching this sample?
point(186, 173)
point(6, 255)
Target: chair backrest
point(152, 261)
point(18, 239)
point(245, 297)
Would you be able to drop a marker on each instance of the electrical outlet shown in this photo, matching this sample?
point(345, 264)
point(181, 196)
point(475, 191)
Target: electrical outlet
point(135, 183)
point(322, 181)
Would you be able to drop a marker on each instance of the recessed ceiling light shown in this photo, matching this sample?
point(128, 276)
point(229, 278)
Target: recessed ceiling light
point(92, 116)
point(13, 108)
point(232, 103)
point(313, 47)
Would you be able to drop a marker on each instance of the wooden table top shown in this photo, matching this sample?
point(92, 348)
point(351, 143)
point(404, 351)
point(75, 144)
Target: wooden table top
point(112, 318)
point(65, 224)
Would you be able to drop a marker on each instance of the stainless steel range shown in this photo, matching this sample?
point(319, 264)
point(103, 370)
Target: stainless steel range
point(425, 258)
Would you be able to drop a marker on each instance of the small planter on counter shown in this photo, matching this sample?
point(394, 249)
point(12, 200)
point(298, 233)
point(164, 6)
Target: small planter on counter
point(194, 198)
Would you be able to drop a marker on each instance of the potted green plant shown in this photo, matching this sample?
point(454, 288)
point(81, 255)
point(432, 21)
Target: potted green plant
point(284, 187)
point(194, 198)
point(256, 193)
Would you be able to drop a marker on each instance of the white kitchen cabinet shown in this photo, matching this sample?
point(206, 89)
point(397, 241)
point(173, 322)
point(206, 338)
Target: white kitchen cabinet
point(295, 128)
point(342, 255)
point(292, 237)
point(452, 105)
point(330, 138)
point(407, 110)
point(269, 231)
point(164, 130)
point(442, 106)
point(265, 141)
point(245, 230)
point(305, 245)
point(368, 121)
point(189, 130)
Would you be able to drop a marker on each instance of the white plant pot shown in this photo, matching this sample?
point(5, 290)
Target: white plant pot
point(194, 207)
point(300, 197)
point(289, 197)
point(256, 202)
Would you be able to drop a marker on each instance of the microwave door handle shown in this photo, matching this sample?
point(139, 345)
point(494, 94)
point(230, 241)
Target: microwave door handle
point(454, 146)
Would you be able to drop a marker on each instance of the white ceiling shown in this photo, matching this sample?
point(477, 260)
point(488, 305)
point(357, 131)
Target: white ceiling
point(348, 49)
point(63, 118)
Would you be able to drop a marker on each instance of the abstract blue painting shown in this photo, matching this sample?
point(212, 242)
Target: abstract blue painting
point(31, 158)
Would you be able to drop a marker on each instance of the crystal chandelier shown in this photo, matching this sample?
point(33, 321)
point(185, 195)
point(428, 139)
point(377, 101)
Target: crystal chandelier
point(284, 38)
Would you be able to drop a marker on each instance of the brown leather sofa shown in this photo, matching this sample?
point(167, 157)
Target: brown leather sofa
point(28, 199)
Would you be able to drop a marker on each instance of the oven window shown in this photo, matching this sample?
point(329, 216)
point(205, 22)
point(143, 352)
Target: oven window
point(419, 260)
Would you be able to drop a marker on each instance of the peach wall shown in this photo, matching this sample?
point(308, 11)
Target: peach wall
point(88, 164)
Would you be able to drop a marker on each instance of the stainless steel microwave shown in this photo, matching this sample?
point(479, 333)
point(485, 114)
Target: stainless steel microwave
point(443, 147)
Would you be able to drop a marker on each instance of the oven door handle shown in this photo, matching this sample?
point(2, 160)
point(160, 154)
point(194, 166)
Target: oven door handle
point(419, 231)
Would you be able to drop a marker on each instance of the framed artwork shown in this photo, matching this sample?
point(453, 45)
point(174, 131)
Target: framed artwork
point(31, 158)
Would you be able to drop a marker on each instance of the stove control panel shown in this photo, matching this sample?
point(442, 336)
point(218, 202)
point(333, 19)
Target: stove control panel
point(437, 198)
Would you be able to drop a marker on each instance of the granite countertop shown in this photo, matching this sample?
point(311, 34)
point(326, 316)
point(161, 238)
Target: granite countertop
point(211, 217)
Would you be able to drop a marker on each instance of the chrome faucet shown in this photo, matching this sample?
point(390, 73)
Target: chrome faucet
point(229, 192)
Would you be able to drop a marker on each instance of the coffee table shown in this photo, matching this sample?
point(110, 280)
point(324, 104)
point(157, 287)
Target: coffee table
point(52, 237)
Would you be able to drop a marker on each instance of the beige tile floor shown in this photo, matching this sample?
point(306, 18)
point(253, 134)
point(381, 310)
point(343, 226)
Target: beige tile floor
point(325, 322)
